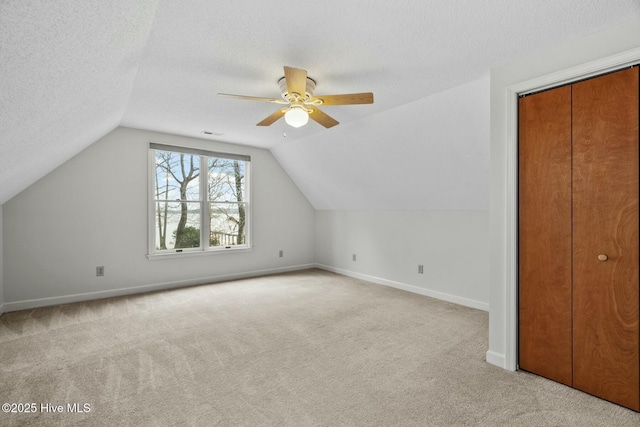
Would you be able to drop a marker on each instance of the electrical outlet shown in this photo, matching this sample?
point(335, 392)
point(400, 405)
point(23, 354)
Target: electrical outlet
point(354, 257)
point(281, 253)
point(100, 270)
point(420, 269)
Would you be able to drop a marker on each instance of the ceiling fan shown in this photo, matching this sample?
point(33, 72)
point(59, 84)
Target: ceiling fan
point(297, 93)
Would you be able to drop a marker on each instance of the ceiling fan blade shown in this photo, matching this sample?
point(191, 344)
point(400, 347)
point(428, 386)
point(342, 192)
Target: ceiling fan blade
point(322, 118)
point(253, 98)
point(296, 80)
point(346, 99)
point(273, 117)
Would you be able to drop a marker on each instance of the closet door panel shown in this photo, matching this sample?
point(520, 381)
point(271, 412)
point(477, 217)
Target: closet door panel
point(545, 234)
point(606, 333)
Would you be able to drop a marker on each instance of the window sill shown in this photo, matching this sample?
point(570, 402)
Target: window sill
point(192, 254)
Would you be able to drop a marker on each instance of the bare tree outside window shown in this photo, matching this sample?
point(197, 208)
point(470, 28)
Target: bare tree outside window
point(182, 207)
point(227, 211)
point(177, 199)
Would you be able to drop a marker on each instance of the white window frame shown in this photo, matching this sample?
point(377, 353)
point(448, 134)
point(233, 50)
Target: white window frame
point(204, 249)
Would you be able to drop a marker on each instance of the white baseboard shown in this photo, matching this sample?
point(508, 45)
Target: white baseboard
point(66, 299)
point(410, 288)
point(496, 359)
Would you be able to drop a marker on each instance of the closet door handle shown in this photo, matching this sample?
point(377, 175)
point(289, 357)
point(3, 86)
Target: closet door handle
point(602, 257)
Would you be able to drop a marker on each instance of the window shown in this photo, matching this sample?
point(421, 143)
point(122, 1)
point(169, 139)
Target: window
point(200, 200)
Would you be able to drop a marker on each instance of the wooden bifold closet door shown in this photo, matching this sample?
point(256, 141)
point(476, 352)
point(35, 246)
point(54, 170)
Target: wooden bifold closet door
point(578, 236)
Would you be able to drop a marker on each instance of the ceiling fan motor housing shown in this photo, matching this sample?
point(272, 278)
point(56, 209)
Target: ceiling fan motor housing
point(311, 86)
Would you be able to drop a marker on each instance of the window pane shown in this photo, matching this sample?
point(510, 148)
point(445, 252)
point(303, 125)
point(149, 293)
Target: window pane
point(177, 225)
point(227, 224)
point(176, 176)
point(185, 195)
point(226, 180)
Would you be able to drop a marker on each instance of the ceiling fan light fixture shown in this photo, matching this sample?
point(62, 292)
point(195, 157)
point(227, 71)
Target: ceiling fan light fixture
point(297, 89)
point(296, 117)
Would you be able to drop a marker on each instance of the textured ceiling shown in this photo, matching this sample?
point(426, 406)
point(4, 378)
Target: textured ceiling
point(71, 71)
point(66, 72)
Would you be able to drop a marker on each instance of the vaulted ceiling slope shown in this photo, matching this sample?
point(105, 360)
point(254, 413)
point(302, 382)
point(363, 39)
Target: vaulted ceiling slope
point(66, 72)
point(73, 70)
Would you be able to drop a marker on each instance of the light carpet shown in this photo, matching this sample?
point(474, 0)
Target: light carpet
point(308, 348)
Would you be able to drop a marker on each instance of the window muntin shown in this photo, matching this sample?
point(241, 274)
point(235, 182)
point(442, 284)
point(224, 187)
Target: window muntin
point(198, 209)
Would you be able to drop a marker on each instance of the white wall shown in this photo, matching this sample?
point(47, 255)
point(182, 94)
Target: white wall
point(551, 62)
point(1, 262)
point(92, 211)
point(451, 245)
point(410, 187)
